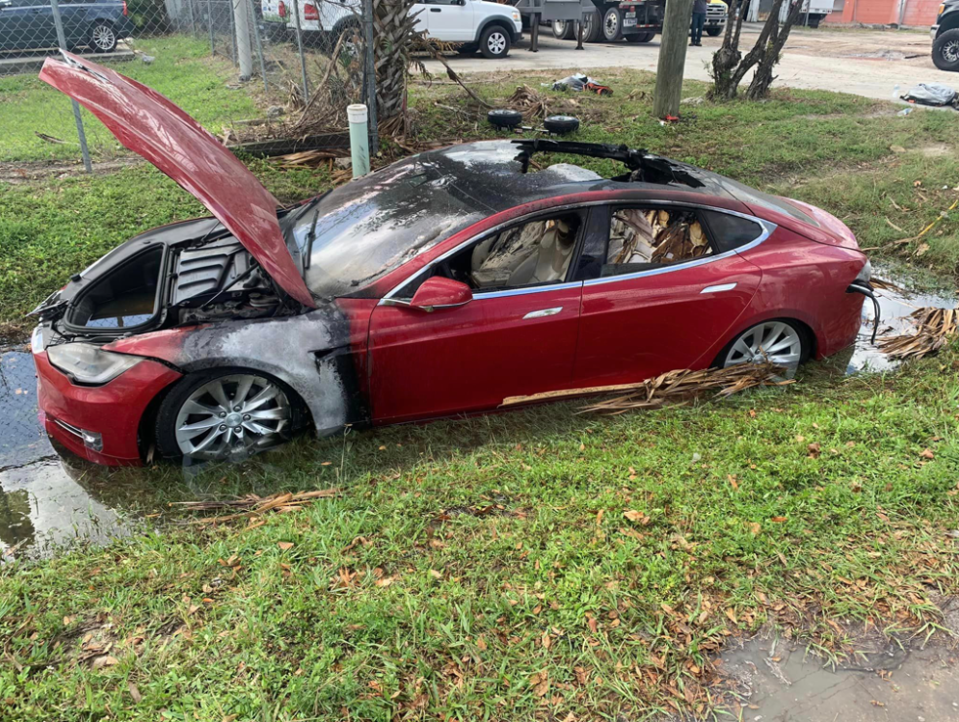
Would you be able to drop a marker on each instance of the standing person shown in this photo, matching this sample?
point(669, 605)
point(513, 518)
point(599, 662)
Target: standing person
point(699, 22)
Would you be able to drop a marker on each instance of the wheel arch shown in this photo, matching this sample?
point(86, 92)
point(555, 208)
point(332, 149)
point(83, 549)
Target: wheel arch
point(800, 319)
point(949, 21)
point(502, 22)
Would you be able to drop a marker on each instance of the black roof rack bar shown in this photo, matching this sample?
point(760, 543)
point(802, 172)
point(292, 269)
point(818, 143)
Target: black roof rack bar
point(646, 166)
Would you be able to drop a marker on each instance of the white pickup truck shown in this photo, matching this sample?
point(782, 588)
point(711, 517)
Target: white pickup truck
point(488, 27)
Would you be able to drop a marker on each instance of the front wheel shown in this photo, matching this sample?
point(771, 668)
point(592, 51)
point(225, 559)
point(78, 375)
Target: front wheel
point(640, 37)
point(495, 42)
point(224, 414)
point(777, 342)
point(945, 51)
point(103, 38)
point(713, 32)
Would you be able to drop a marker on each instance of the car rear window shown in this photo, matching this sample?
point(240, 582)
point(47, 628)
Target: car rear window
point(752, 197)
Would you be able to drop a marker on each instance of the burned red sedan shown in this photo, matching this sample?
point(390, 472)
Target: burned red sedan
point(439, 285)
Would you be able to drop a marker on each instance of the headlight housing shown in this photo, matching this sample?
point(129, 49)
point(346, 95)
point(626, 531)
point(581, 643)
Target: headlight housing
point(89, 364)
point(515, 15)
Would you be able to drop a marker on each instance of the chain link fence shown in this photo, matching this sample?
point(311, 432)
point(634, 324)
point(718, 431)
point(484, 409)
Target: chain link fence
point(265, 76)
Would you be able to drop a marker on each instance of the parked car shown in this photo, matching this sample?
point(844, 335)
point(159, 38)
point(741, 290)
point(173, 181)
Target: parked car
point(945, 36)
point(437, 286)
point(488, 27)
point(28, 24)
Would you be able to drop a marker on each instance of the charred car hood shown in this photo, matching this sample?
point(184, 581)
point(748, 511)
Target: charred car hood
point(150, 125)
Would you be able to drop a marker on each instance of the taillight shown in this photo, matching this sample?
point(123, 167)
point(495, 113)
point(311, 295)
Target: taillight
point(282, 9)
point(310, 12)
point(125, 12)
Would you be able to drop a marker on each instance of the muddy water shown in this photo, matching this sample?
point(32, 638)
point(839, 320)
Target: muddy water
point(778, 681)
point(43, 504)
point(895, 307)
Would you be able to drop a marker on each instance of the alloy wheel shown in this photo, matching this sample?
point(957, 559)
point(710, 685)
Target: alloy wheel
point(496, 43)
point(104, 38)
point(950, 51)
point(775, 342)
point(232, 416)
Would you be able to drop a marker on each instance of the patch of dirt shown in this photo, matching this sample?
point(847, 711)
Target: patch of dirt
point(29, 171)
point(936, 150)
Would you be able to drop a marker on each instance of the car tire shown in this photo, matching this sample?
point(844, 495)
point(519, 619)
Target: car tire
point(945, 51)
point(564, 30)
point(561, 124)
point(640, 37)
point(713, 32)
point(281, 413)
point(467, 49)
point(612, 27)
point(504, 118)
point(495, 42)
point(778, 340)
point(591, 31)
point(814, 21)
point(346, 31)
point(103, 37)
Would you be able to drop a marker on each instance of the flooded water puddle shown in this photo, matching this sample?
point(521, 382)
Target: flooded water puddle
point(43, 505)
point(779, 681)
point(895, 306)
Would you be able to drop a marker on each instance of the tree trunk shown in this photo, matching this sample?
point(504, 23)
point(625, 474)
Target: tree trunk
point(393, 39)
point(729, 64)
point(672, 58)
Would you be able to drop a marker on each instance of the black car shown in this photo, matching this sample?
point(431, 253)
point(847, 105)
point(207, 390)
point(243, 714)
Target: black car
point(28, 24)
point(945, 36)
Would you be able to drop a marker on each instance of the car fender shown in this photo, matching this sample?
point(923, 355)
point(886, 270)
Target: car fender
point(503, 20)
point(949, 20)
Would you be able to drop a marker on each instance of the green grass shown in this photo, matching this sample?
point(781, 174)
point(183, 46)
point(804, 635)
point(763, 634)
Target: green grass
point(182, 71)
point(464, 561)
point(484, 569)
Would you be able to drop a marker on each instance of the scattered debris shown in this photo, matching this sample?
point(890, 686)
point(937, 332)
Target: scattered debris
point(531, 103)
point(679, 386)
point(147, 59)
point(580, 82)
point(275, 111)
point(880, 283)
point(49, 138)
point(935, 94)
point(253, 505)
point(934, 328)
point(699, 100)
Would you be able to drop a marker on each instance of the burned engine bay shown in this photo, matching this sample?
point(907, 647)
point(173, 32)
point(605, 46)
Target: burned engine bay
point(163, 280)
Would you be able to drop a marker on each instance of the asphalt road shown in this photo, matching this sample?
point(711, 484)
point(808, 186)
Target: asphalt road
point(864, 62)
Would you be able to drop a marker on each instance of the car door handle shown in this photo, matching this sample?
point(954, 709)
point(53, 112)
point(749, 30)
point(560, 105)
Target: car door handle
point(719, 288)
point(436, 10)
point(543, 312)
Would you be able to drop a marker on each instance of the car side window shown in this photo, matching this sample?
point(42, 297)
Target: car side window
point(440, 2)
point(642, 239)
point(729, 232)
point(535, 253)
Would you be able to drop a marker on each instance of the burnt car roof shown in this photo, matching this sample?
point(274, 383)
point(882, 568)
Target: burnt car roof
point(490, 174)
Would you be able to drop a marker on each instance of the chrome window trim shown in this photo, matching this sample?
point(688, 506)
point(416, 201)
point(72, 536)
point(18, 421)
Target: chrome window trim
point(767, 227)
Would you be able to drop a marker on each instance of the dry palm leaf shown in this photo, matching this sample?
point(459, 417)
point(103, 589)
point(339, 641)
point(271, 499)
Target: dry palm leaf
point(934, 328)
point(677, 386)
point(884, 284)
point(529, 102)
point(253, 505)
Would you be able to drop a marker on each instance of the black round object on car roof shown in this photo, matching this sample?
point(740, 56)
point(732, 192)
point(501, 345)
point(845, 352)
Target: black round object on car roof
point(561, 124)
point(504, 118)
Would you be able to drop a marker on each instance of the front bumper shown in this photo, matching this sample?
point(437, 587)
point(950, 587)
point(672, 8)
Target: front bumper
point(933, 32)
point(110, 413)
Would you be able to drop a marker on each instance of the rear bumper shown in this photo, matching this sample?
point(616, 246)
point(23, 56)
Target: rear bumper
point(112, 411)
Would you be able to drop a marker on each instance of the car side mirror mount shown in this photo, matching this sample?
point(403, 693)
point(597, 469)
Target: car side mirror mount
point(437, 293)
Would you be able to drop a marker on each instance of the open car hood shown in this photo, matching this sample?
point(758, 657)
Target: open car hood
point(153, 127)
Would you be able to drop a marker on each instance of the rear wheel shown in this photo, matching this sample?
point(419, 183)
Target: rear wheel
point(612, 25)
point(224, 414)
point(591, 31)
point(945, 51)
point(103, 37)
point(504, 118)
point(779, 342)
point(494, 42)
point(560, 124)
point(640, 37)
point(563, 30)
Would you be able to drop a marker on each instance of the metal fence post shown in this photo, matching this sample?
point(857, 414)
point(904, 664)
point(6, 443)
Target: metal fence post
point(369, 72)
point(192, 17)
point(299, 45)
point(209, 22)
point(82, 136)
point(233, 33)
point(259, 44)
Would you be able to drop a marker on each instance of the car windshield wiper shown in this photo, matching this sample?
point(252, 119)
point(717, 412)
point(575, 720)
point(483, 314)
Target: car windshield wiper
point(291, 238)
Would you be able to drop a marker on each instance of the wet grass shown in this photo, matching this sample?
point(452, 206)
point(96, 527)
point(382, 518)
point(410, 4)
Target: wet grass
point(484, 569)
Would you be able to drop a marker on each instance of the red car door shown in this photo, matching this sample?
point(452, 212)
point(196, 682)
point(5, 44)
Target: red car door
point(640, 320)
point(472, 357)
point(515, 337)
